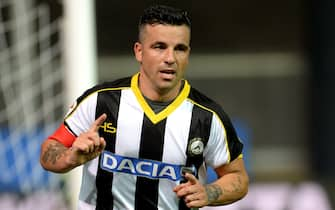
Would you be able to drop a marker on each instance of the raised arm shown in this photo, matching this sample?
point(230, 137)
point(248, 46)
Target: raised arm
point(58, 158)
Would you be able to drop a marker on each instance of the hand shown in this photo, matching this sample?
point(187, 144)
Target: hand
point(193, 192)
point(88, 145)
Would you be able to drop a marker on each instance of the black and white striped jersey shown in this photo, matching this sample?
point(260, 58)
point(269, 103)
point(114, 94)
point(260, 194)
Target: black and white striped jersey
point(146, 151)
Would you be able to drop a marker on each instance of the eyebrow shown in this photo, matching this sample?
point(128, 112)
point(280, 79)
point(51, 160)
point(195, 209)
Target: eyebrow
point(186, 46)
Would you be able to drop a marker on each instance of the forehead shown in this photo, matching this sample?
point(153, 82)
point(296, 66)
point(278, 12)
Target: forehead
point(166, 33)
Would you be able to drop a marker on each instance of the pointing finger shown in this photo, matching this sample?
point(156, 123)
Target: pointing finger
point(96, 124)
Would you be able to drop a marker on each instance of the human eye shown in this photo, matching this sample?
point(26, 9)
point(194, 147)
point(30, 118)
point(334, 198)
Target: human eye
point(159, 46)
point(181, 47)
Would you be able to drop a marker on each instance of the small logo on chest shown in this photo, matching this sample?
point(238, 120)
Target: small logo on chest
point(108, 127)
point(195, 146)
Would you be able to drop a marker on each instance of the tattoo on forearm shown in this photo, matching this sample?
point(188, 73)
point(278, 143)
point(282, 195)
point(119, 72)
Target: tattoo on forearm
point(236, 186)
point(213, 192)
point(53, 153)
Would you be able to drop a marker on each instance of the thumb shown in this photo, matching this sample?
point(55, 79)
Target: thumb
point(102, 143)
point(191, 178)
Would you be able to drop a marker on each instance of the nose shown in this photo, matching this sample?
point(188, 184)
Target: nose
point(170, 57)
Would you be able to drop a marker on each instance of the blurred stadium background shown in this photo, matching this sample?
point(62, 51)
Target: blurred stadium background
point(270, 64)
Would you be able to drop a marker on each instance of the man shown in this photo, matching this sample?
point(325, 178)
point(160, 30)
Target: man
point(145, 141)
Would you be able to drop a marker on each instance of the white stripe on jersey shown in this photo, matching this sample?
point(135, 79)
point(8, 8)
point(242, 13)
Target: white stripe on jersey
point(127, 144)
point(176, 138)
point(83, 116)
point(213, 154)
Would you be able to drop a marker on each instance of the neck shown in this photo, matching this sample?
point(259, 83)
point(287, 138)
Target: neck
point(159, 95)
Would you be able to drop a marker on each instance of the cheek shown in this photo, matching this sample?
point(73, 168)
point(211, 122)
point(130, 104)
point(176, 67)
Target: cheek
point(151, 59)
point(183, 62)
point(148, 65)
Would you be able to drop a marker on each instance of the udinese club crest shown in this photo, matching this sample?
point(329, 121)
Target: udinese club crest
point(195, 146)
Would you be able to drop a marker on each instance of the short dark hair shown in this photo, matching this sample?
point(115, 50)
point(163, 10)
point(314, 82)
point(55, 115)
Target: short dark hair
point(162, 14)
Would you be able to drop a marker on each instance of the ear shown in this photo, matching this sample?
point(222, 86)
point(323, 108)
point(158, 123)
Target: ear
point(138, 51)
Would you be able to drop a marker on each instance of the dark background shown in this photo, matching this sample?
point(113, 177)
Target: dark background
point(217, 26)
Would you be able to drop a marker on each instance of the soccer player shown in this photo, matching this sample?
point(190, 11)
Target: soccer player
point(145, 141)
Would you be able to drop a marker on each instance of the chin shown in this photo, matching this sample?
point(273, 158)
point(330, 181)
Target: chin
point(167, 87)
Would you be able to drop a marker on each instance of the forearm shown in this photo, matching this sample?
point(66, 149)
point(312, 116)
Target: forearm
point(227, 189)
point(55, 157)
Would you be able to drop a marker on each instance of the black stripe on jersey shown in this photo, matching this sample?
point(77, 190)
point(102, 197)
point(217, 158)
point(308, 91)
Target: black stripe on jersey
point(151, 147)
point(124, 82)
point(234, 144)
point(199, 129)
point(108, 102)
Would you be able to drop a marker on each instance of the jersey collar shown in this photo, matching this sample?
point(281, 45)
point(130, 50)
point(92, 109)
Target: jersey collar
point(155, 118)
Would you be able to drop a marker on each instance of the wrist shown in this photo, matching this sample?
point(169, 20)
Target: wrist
point(214, 192)
point(71, 161)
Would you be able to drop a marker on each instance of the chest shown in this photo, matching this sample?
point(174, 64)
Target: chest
point(133, 130)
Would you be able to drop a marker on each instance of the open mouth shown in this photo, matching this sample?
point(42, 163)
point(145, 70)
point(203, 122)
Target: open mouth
point(168, 74)
point(168, 71)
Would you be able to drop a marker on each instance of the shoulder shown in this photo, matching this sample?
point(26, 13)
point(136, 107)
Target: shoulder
point(115, 85)
point(199, 97)
point(206, 103)
point(202, 100)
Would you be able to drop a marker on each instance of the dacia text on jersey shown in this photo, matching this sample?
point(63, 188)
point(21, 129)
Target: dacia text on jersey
point(140, 167)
